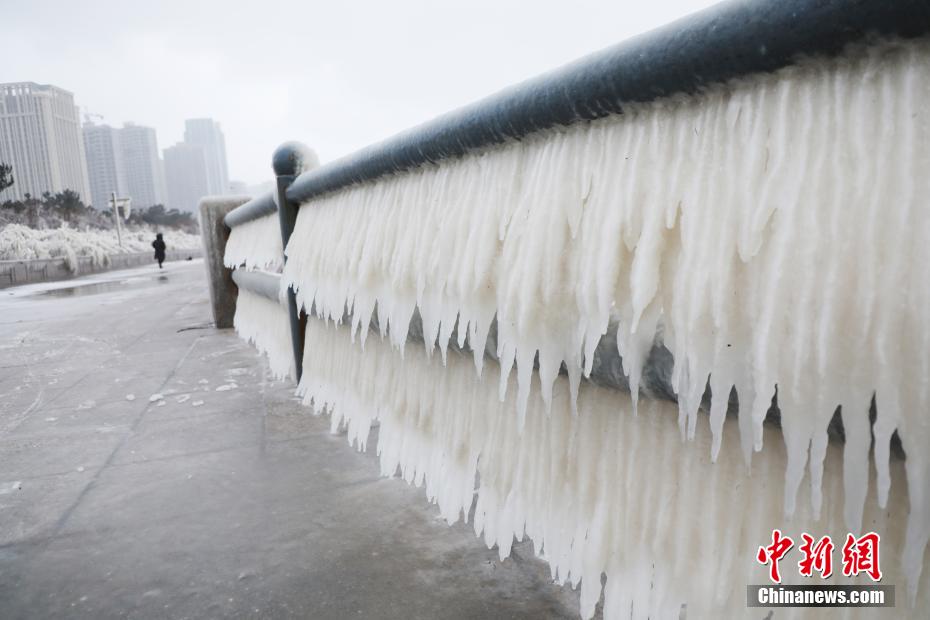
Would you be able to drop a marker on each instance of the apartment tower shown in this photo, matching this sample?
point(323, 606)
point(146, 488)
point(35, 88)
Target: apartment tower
point(41, 138)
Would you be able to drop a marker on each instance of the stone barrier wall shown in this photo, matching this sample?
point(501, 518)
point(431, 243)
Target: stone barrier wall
point(16, 272)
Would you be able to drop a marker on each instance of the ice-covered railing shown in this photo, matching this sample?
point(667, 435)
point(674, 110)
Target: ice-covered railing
point(254, 252)
point(743, 192)
point(256, 230)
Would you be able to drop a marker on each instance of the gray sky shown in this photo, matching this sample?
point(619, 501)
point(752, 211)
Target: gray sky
point(335, 75)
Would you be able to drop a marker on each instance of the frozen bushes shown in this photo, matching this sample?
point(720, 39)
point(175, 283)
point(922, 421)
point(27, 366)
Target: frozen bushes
point(18, 242)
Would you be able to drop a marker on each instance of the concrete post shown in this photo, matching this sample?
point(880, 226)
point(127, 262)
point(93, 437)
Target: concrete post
point(214, 232)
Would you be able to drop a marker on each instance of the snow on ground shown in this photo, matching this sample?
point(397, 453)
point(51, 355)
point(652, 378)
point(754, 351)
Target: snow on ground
point(18, 242)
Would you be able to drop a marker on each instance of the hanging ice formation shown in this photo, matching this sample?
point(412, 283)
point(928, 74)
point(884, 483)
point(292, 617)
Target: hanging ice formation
point(265, 323)
point(602, 491)
point(255, 245)
point(775, 230)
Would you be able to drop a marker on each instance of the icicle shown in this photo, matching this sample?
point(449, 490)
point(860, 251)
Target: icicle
point(266, 324)
point(855, 464)
point(773, 229)
point(600, 492)
point(256, 244)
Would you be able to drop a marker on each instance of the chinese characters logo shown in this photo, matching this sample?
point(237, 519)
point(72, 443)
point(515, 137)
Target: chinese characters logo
point(859, 555)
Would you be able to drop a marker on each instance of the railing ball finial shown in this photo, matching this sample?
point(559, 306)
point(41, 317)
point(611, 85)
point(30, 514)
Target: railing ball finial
point(292, 158)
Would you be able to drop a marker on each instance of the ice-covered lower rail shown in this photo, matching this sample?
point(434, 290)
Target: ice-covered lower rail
point(262, 319)
point(602, 491)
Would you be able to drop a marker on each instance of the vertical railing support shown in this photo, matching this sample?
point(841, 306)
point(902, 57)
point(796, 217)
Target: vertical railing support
point(288, 162)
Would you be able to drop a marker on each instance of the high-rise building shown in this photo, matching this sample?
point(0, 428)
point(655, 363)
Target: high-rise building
point(141, 165)
point(186, 176)
point(104, 163)
point(206, 133)
point(41, 138)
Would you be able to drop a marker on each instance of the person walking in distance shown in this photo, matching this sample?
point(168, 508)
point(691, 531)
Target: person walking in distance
point(159, 245)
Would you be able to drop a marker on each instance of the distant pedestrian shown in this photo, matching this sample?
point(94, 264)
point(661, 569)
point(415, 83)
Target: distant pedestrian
point(159, 245)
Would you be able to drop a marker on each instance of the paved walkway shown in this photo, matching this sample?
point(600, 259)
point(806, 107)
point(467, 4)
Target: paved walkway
point(221, 497)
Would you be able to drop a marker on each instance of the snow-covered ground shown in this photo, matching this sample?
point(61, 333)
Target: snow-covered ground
point(18, 242)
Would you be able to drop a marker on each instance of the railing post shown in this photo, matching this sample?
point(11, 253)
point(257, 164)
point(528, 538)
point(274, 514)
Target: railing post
point(288, 162)
point(215, 233)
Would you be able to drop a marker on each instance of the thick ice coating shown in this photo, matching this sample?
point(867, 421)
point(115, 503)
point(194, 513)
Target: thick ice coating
point(255, 244)
point(18, 242)
point(266, 324)
point(602, 491)
point(776, 228)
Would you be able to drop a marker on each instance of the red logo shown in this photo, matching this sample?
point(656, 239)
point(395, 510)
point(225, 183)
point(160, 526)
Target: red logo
point(774, 552)
point(860, 555)
point(817, 557)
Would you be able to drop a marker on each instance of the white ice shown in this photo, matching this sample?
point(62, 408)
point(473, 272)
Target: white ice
point(18, 242)
point(600, 492)
point(266, 323)
point(775, 229)
point(256, 245)
point(9, 487)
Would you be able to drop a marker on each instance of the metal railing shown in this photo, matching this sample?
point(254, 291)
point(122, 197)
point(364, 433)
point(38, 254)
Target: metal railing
point(288, 161)
point(727, 41)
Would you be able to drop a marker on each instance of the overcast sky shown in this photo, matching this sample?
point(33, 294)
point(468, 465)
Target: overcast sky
point(335, 75)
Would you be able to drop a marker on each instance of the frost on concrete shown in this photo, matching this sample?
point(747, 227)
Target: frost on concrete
point(18, 242)
point(9, 487)
point(266, 324)
point(775, 230)
point(602, 491)
point(255, 244)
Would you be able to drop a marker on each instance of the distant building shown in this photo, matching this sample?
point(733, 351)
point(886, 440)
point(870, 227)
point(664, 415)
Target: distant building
point(104, 163)
point(206, 133)
point(186, 176)
point(41, 138)
point(142, 167)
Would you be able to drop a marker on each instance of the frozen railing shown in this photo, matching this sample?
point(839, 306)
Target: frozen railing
point(257, 233)
point(749, 184)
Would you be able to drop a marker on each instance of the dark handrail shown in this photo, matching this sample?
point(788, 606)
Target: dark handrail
point(726, 41)
point(252, 210)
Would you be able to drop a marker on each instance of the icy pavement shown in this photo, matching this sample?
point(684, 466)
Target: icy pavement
point(148, 468)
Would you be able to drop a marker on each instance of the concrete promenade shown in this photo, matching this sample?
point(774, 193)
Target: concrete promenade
point(150, 469)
